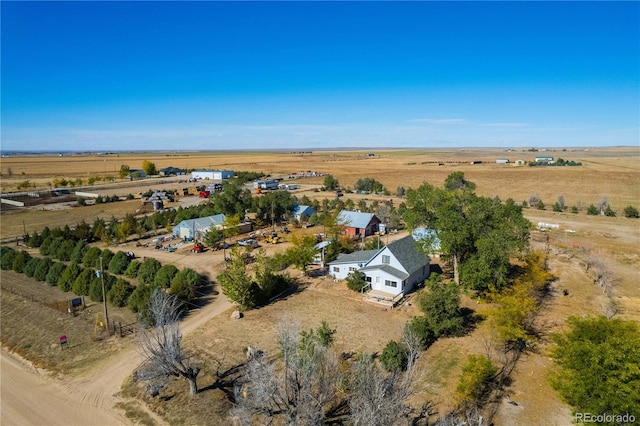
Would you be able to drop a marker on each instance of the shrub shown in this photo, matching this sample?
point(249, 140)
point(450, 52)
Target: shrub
point(106, 255)
point(34, 240)
point(476, 376)
point(95, 288)
point(540, 205)
point(597, 361)
point(20, 261)
point(184, 283)
point(440, 304)
point(394, 357)
point(272, 284)
point(55, 273)
point(30, 267)
point(132, 269)
point(420, 327)
point(148, 270)
point(356, 281)
point(574, 209)
point(7, 257)
point(631, 212)
point(608, 211)
point(139, 303)
point(164, 276)
point(592, 210)
point(91, 258)
point(119, 263)
point(82, 282)
point(119, 293)
point(556, 207)
point(43, 268)
point(64, 250)
point(69, 275)
point(78, 251)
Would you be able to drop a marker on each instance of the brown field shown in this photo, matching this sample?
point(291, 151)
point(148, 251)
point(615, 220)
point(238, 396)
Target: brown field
point(611, 172)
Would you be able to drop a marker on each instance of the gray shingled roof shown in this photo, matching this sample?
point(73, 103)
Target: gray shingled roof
point(407, 253)
point(357, 256)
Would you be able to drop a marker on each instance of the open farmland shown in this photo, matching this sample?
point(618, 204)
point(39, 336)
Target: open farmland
point(612, 172)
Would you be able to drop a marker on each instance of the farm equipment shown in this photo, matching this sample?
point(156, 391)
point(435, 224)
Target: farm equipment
point(273, 238)
point(197, 248)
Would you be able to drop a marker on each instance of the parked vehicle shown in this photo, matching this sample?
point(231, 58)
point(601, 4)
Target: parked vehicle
point(197, 248)
point(248, 243)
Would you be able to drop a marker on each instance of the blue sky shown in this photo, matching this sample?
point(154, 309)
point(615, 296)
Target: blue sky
point(252, 75)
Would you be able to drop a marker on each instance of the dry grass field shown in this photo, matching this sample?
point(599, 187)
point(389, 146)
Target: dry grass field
point(611, 172)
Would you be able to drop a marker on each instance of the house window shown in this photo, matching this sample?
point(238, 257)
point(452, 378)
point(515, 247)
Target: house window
point(351, 269)
point(386, 259)
point(390, 283)
point(377, 280)
point(336, 269)
point(367, 278)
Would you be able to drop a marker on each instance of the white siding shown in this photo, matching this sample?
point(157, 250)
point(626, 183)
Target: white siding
point(343, 269)
point(378, 282)
point(393, 262)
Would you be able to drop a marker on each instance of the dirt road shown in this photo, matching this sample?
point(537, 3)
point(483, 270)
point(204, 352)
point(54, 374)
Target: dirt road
point(31, 397)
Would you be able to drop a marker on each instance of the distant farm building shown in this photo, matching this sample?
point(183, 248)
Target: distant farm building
point(196, 229)
point(357, 223)
point(502, 161)
point(136, 174)
point(266, 184)
point(302, 212)
point(428, 239)
point(544, 159)
point(212, 174)
point(172, 171)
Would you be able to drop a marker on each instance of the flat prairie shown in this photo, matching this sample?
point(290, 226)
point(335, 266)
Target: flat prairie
point(611, 173)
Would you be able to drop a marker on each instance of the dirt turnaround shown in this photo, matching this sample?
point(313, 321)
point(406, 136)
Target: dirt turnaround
point(29, 396)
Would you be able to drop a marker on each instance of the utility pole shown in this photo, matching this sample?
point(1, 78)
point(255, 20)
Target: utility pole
point(273, 215)
point(104, 296)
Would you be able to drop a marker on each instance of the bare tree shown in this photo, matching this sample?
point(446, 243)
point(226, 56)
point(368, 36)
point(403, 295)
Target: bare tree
point(561, 202)
point(379, 398)
point(610, 308)
point(534, 199)
point(603, 203)
point(302, 391)
point(161, 345)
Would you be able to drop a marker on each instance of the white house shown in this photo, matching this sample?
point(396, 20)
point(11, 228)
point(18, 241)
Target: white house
point(212, 174)
point(391, 271)
point(346, 263)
